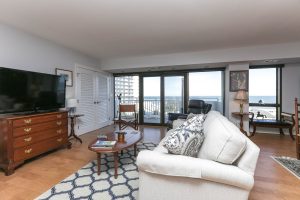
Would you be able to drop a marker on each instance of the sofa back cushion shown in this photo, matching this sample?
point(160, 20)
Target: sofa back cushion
point(223, 140)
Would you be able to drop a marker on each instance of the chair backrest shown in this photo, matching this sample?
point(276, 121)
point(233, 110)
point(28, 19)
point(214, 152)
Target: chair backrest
point(127, 108)
point(198, 107)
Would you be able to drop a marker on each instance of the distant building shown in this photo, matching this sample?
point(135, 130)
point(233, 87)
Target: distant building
point(125, 85)
point(129, 88)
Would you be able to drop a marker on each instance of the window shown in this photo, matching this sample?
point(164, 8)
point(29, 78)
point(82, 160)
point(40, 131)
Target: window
point(263, 93)
point(207, 86)
point(128, 87)
point(156, 94)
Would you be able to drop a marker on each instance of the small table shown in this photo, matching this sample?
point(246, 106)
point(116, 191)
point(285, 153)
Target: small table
point(241, 115)
point(131, 139)
point(73, 122)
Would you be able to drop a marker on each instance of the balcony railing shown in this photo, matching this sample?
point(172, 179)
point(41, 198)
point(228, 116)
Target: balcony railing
point(152, 107)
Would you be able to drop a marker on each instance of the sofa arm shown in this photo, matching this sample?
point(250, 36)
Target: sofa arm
point(183, 166)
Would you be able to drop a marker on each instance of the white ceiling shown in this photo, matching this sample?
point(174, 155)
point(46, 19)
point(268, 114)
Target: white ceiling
point(119, 28)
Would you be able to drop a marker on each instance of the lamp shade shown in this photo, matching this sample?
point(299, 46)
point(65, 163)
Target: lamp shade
point(241, 95)
point(71, 103)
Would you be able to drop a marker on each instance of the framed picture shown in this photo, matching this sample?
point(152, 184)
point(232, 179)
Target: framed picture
point(239, 80)
point(67, 74)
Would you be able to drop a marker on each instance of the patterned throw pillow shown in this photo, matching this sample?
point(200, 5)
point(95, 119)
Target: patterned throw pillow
point(191, 115)
point(187, 138)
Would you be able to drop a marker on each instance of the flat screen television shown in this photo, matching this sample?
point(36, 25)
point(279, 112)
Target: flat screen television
point(24, 91)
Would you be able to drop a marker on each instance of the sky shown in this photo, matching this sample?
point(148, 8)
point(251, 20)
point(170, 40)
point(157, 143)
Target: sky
point(262, 83)
point(200, 84)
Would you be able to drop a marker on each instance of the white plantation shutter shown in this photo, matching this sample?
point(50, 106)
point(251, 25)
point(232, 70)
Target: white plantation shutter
point(86, 102)
point(103, 96)
point(92, 93)
point(102, 99)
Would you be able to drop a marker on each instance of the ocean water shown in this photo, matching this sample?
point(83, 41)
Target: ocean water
point(265, 99)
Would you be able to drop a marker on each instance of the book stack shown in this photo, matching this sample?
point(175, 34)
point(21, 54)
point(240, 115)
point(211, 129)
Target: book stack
point(102, 137)
point(101, 144)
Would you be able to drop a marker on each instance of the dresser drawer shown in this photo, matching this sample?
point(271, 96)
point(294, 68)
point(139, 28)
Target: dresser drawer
point(38, 119)
point(38, 148)
point(26, 130)
point(36, 137)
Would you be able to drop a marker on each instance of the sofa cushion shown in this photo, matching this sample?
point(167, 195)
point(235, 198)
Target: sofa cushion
point(187, 138)
point(223, 140)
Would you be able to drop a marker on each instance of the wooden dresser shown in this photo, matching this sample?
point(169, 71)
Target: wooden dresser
point(25, 136)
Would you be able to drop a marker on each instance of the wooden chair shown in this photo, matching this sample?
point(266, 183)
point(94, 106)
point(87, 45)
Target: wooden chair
point(287, 121)
point(127, 116)
point(297, 112)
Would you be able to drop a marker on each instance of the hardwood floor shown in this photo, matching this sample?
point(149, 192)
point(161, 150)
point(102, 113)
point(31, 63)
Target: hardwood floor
point(36, 176)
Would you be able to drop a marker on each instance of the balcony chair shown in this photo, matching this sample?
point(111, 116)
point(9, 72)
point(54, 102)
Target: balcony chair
point(194, 106)
point(128, 116)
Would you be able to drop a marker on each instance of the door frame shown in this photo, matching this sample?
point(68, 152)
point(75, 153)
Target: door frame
point(162, 94)
point(184, 73)
point(76, 89)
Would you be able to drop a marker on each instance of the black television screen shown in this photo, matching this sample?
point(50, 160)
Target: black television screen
point(24, 91)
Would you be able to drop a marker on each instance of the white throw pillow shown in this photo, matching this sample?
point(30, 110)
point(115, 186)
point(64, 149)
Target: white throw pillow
point(187, 138)
point(223, 140)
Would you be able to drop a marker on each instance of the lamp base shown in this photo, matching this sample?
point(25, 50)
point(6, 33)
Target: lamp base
point(241, 108)
point(72, 111)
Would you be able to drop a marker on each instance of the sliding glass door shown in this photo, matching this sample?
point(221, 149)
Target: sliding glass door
point(156, 94)
point(152, 99)
point(173, 95)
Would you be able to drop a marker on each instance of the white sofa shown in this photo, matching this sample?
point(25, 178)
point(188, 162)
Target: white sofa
point(164, 176)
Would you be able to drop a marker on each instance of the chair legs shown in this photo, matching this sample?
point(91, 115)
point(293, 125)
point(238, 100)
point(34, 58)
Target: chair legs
point(123, 124)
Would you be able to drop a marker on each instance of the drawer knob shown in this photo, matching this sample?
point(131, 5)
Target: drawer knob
point(27, 121)
point(28, 139)
point(58, 116)
point(59, 140)
point(27, 130)
point(27, 151)
point(59, 131)
point(58, 123)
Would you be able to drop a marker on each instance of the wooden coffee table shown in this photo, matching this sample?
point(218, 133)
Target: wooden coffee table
point(131, 139)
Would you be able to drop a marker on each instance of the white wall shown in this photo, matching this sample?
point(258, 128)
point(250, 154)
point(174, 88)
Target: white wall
point(242, 54)
point(290, 86)
point(239, 57)
point(231, 105)
point(24, 51)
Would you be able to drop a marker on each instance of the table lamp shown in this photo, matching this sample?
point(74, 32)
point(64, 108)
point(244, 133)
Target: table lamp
point(242, 96)
point(71, 104)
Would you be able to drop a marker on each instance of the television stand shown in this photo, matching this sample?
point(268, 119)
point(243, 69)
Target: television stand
point(26, 136)
point(25, 113)
point(35, 112)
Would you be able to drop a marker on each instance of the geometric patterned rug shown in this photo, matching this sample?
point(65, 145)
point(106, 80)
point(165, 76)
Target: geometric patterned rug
point(290, 164)
point(86, 184)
